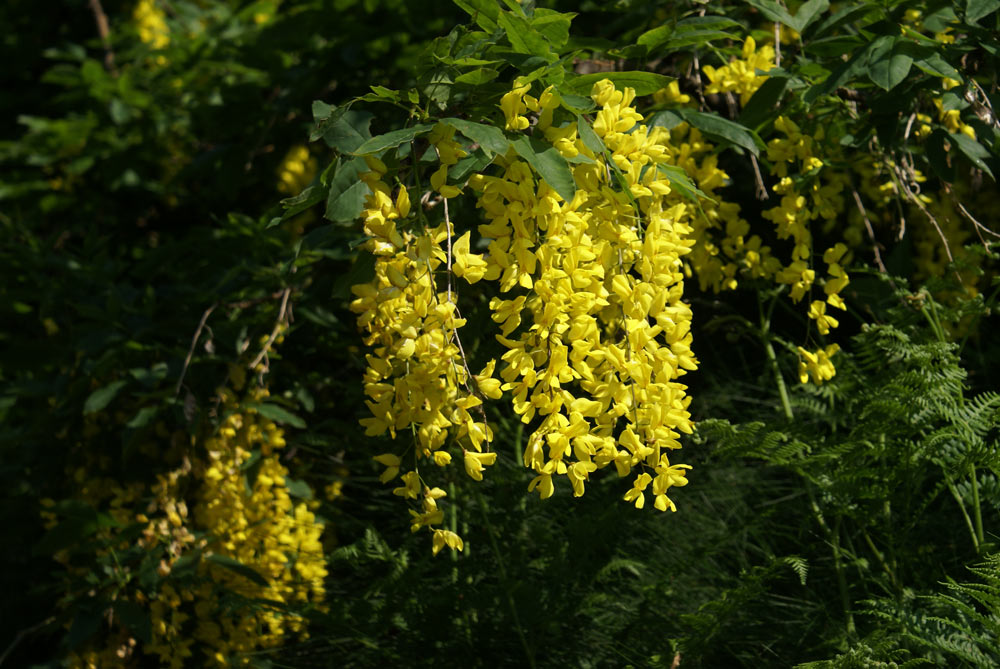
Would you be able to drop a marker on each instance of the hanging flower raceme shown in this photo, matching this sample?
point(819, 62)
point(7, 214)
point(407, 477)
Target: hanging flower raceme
point(590, 309)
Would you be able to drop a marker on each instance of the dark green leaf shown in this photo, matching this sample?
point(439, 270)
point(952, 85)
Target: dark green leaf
point(135, 618)
point(548, 163)
point(977, 9)
point(553, 25)
point(889, 63)
point(588, 136)
point(278, 414)
point(298, 488)
point(142, 417)
point(838, 77)
point(524, 38)
point(665, 119)
point(937, 66)
point(489, 137)
point(644, 83)
point(238, 567)
point(972, 150)
point(346, 131)
point(937, 156)
point(484, 12)
point(390, 139)
point(101, 397)
point(712, 124)
point(761, 105)
point(310, 197)
point(478, 76)
point(347, 205)
point(678, 178)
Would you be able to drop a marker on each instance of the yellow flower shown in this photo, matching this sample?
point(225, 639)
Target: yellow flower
point(447, 538)
point(474, 463)
point(411, 487)
point(392, 463)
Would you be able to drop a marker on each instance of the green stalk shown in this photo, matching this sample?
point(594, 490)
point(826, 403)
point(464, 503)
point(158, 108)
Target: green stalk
point(965, 513)
point(977, 512)
point(834, 538)
point(505, 583)
point(765, 328)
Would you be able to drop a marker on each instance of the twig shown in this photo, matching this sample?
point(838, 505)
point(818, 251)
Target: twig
point(979, 226)
point(23, 633)
point(761, 188)
point(454, 333)
point(447, 225)
point(102, 29)
point(777, 44)
point(274, 332)
point(920, 205)
point(194, 342)
point(871, 234)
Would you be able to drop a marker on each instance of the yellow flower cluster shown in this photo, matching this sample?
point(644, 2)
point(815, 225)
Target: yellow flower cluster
point(593, 322)
point(241, 517)
point(151, 23)
point(601, 281)
point(742, 75)
point(296, 171)
point(417, 377)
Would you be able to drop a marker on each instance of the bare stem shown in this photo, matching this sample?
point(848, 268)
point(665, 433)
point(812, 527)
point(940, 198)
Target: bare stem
point(282, 311)
point(101, 19)
point(194, 342)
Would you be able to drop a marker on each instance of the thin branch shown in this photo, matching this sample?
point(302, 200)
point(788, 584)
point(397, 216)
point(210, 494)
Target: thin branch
point(447, 225)
point(761, 189)
point(277, 328)
point(871, 233)
point(980, 228)
point(105, 32)
point(23, 633)
point(777, 44)
point(194, 342)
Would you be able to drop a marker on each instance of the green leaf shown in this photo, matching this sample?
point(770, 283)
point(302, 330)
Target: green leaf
point(728, 130)
point(838, 77)
point(484, 12)
point(588, 136)
point(694, 30)
point(806, 14)
point(142, 417)
point(101, 397)
point(678, 178)
point(644, 83)
point(553, 25)
point(278, 414)
point(310, 197)
point(135, 618)
point(548, 163)
point(298, 488)
point(347, 194)
point(937, 155)
point(665, 119)
point(889, 63)
point(478, 76)
point(977, 9)
point(348, 204)
point(761, 105)
point(937, 66)
point(972, 150)
point(524, 38)
point(490, 138)
point(238, 567)
point(345, 130)
point(391, 139)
